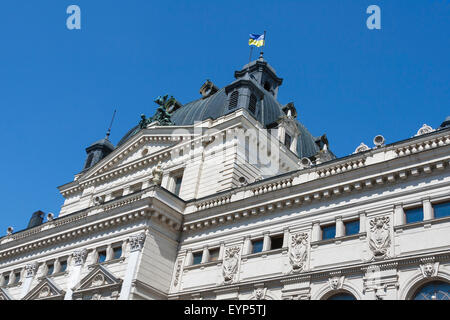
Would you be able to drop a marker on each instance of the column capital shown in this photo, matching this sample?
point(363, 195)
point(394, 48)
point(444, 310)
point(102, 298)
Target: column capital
point(79, 256)
point(137, 241)
point(31, 269)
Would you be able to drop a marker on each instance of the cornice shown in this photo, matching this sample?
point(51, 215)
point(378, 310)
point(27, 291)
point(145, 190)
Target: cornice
point(320, 194)
point(103, 220)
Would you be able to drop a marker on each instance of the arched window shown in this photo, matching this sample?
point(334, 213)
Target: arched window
point(436, 290)
point(342, 296)
point(233, 100)
point(252, 103)
point(89, 160)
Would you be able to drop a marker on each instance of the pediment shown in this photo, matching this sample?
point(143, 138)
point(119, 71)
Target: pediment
point(45, 290)
point(144, 148)
point(4, 295)
point(98, 278)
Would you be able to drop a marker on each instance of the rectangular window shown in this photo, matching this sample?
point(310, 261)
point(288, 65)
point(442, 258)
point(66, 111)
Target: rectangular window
point(257, 245)
point(178, 185)
point(101, 256)
point(214, 254)
point(329, 232)
point(63, 266)
point(441, 210)
point(117, 252)
point(276, 242)
point(351, 227)
point(16, 277)
point(50, 268)
point(197, 257)
point(414, 215)
point(287, 141)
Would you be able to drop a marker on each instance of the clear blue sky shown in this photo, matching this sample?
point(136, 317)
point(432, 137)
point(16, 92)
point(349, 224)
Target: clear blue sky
point(58, 88)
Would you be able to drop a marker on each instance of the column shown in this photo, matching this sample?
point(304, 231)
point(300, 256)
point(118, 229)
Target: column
point(78, 257)
point(56, 266)
point(30, 271)
point(109, 252)
point(362, 222)
point(136, 245)
point(340, 228)
point(316, 232)
point(247, 246)
point(266, 243)
point(205, 254)
point(286, 238)
point(428, 213)
point(399, 215)
point(222, 250)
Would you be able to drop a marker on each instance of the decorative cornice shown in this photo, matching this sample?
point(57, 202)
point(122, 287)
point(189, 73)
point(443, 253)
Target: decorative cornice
point(308, 197)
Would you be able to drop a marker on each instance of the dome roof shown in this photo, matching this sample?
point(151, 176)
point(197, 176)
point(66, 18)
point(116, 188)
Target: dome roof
point(216, 106)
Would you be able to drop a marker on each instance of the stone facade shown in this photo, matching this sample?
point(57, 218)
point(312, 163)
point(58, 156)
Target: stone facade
point(240, 226)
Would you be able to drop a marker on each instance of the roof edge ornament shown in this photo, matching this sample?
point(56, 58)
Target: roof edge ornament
point(361, 148)
point(423, 130)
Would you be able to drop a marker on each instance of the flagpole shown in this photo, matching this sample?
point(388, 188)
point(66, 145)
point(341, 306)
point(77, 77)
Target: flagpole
point(264, 45)
point(250, 57)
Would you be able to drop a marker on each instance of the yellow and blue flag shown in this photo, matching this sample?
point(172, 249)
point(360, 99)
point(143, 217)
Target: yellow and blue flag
point(256, 40)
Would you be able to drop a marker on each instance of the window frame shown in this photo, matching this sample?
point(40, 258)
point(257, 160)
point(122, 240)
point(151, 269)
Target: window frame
point(329, 226)
point(410, 215)
point(257, 240)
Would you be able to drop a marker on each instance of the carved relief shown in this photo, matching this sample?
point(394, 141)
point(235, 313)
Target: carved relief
point(298, 251)
point(79, 256)
point(137, 242)
point(380, 239)
point(98, 280)
point(230, 263)
point(177, 273)
point(429, 269)
point(336, 282)
point(30, 269)
point(45, 292)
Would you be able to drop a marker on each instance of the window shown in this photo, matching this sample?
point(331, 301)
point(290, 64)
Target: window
point(101, 256)
point(117, 252)
point(233, 100)
point(436, 290)
point(16, 277)
point(414, 215)
point(257, 245)
point(63, 266)
point(328, 232)
point(214, 254)
point(267, 86)
point(351, 227)
point(342, 296)
point(441, 210)
point(50, 268)
point(5, 279)
point(276, 242)
point(252, 103)
point(197, 258)
point(178, 181)
point(287, 141)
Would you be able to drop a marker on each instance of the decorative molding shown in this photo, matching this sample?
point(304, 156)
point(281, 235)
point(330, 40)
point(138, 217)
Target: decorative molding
point(361, 148)
point(298, 251)
point(429, 269)
point(380, 237)
point(230, 264)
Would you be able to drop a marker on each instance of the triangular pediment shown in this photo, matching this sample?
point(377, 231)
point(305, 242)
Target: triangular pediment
point(4, 295)
point(98, 278)
point(140, 148)
point(45, 290)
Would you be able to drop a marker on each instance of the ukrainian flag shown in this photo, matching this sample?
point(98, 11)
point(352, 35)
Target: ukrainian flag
point(256, 40)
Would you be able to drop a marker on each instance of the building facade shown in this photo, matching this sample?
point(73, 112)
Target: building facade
point(231, 197)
